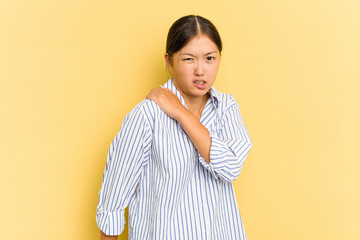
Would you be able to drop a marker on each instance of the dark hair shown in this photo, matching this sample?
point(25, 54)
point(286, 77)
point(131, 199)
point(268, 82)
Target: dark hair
point(187, 27)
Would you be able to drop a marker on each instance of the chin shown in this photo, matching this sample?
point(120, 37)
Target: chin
point(201, 93)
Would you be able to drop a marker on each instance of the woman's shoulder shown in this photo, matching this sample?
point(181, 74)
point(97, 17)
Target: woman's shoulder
point(147, 108)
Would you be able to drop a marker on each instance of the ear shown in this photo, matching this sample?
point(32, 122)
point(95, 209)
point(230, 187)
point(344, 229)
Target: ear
point(168, 61)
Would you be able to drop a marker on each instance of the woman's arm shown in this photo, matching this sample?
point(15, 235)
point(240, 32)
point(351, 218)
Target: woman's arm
point(126, 158)
point(223, 153)
point(171, 105)
point(230, 145)
point(198, 134)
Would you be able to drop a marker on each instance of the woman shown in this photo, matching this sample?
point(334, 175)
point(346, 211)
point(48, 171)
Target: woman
point(178, 151)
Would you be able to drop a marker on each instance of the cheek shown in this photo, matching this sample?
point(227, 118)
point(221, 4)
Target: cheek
point(185, 70)
point(213, 70)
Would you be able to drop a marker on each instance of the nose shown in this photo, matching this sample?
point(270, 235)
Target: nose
point(199, 69)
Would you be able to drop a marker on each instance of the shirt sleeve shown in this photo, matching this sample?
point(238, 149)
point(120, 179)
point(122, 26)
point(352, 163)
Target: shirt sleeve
point(126, 159)
point(229, 148)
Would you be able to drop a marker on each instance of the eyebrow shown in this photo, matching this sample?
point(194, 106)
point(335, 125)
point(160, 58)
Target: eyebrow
point(195, 56)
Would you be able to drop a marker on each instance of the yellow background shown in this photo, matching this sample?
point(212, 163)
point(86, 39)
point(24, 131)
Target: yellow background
point(71, 70)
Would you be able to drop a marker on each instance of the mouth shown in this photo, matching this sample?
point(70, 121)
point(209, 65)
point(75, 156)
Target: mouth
point(200, 84)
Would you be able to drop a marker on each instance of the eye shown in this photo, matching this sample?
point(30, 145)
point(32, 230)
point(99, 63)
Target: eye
point(210, 58)
point(187, 59)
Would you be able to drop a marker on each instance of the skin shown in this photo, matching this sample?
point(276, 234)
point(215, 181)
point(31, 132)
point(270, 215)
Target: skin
point(198, 61)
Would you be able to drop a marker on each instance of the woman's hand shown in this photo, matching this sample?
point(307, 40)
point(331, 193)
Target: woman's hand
point(167, 101)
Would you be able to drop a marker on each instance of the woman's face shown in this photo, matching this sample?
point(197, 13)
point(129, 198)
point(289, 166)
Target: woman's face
point(194, 67)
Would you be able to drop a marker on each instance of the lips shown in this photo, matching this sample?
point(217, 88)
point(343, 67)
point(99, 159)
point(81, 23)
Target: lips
point(200, 84)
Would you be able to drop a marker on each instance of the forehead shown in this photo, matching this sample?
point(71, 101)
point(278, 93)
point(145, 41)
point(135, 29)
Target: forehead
point(199, 44)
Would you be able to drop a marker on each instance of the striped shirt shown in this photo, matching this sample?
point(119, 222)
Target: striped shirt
point(172, 192)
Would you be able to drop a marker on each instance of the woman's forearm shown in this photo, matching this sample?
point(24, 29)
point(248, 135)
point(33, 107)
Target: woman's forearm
point(172, 106)
point(197, 133)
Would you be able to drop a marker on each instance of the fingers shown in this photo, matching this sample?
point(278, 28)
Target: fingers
point(166, 100)
point(160, 91)
point(161, 96)
point(155, 94)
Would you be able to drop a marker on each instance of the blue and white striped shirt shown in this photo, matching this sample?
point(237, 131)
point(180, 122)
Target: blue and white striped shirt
point(172, 192)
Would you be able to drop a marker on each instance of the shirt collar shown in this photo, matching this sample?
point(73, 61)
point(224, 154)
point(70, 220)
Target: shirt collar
point(213, 93)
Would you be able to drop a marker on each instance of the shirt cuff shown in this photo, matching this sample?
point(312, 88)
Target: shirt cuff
point(217, 148)
point(110, 223)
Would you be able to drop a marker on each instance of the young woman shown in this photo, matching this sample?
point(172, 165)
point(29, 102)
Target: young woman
point(178, 151)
